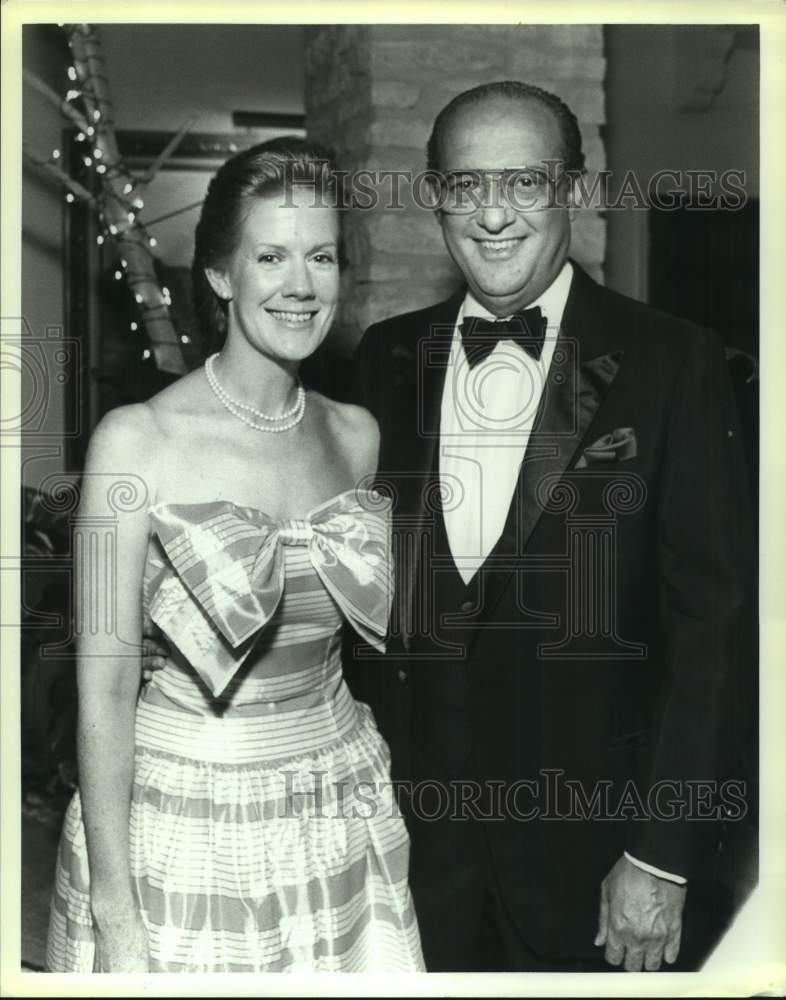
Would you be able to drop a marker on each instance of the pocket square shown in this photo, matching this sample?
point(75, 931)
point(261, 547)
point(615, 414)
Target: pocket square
point(614, 447)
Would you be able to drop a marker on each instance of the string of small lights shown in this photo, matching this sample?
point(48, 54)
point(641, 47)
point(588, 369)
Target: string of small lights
point(114, 193)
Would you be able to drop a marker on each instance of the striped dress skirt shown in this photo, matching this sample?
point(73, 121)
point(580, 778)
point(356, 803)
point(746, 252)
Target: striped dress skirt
point(256, 844)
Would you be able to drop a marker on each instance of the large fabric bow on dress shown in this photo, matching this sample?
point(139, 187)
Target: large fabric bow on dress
point(230, 573)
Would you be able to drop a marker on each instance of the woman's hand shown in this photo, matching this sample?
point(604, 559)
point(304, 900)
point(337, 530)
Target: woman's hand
point(121, 943)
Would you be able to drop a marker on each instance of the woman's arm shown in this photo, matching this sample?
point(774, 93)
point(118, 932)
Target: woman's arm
point(110, 543)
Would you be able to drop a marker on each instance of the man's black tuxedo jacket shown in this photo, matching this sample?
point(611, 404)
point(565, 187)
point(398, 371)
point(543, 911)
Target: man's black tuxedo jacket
point(564, 684)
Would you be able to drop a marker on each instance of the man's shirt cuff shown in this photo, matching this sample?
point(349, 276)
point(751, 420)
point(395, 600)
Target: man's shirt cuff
point(670, 876)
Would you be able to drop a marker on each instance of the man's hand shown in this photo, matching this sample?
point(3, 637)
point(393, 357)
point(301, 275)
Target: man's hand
point(640, 918)
point(155, 652)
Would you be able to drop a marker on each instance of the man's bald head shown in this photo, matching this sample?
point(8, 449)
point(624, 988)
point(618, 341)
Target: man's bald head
point(513, 90)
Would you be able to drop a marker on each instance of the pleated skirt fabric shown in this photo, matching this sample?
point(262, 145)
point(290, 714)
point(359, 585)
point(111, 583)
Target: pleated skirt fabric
point(247, 856)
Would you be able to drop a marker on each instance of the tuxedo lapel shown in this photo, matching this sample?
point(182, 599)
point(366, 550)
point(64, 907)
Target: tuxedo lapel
point(416, 459)
point(582, 371)
point(575, 393)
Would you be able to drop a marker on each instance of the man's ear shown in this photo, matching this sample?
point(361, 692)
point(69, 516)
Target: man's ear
point(219, 282)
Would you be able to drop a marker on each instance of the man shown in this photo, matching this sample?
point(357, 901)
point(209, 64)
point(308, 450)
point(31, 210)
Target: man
point(571, 567)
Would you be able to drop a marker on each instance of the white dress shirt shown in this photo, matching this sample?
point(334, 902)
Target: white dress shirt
point(485, 423)
point(486, 420)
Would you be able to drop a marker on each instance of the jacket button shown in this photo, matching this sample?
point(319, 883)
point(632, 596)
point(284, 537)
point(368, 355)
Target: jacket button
point(403, 676)
point(467, 606)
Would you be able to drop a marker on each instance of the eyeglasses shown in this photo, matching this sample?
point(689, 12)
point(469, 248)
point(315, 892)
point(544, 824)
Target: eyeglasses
point(525, 189)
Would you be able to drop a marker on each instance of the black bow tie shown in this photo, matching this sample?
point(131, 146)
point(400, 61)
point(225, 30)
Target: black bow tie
point(527, 328)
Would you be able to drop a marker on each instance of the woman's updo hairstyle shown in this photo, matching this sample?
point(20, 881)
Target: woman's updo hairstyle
point(270, 168)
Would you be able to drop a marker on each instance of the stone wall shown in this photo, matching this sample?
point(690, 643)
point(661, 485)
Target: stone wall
point(372, 92)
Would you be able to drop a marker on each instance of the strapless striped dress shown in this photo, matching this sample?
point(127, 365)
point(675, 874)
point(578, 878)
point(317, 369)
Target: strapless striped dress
point(264, 832)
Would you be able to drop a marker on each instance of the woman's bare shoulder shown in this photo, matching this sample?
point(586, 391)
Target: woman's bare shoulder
point(124, 427)
point(138, 421)
point(119, 458)
point(187, 394)
point(354, 429)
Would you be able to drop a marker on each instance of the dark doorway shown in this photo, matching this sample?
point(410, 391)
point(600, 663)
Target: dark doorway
point(704, 265)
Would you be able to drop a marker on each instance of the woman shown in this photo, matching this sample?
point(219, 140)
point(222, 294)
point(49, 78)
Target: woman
point(237, 815)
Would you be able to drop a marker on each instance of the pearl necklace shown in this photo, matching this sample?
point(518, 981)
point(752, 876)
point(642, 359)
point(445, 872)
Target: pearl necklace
point(282, 421)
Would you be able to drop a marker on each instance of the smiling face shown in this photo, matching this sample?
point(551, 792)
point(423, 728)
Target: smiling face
point(282, 280)
point(508, 256)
